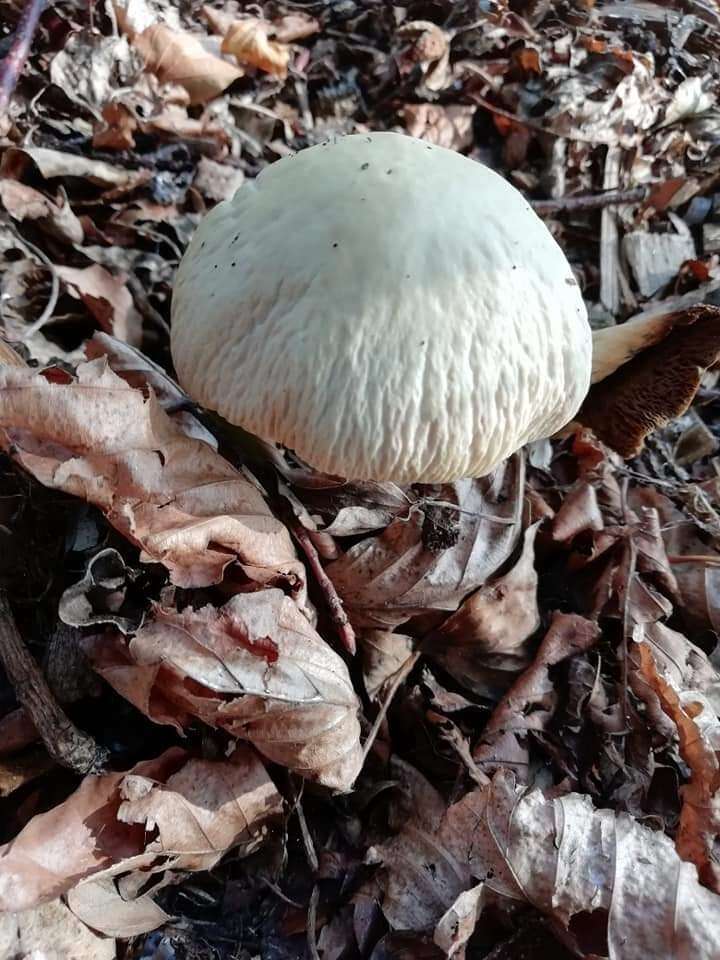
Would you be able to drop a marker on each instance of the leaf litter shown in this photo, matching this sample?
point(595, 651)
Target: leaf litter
point(523, 758)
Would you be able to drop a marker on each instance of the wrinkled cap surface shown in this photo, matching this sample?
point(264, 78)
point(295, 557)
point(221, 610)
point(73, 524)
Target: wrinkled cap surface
point(388, 309)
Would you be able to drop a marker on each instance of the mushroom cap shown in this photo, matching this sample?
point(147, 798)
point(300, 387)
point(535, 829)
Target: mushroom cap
point(388, 309)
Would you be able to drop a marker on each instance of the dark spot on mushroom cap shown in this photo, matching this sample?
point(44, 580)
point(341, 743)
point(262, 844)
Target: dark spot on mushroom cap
point(234, 264)
point(369, 139)
point(364, 166)
point(335, 244)
point(571, 281)
point(389, 171)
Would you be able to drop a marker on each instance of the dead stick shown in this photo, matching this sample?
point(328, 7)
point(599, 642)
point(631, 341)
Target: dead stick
point(11, 66)
point(65, 743)
point(334, 603)
point(592, 201)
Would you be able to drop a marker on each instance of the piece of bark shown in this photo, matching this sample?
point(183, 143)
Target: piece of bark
point(65, 743)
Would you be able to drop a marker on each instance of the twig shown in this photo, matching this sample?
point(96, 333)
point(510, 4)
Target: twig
point(310, 853)
point(590, 201)
point(11, 66)
point(312, 923)
point(708, 560)
point(402, 672)
point(65, 743)
point(54, 288)
point(333, 601)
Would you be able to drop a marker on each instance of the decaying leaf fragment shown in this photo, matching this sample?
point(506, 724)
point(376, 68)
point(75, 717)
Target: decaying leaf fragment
point(647, 374)
point(248, 41)
point(445, 546)
point(174, 813)
point(485, 640)
point(698, 836)
point(173, 495)
point(255, 668)
point(561, 855)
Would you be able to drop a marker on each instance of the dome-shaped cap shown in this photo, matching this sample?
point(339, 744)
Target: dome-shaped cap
point(388, 309)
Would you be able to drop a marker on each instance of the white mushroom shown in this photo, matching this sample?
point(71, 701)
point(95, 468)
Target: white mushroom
point(388, 309)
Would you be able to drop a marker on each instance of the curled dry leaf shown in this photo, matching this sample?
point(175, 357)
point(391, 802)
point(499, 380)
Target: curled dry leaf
point(48, 932)
point(55, 217)
point(669, 357)
point(106, 297)
point(445, 546)
point(175, 56)
point(248, 41)
point(254, 667)
point(174, 496)
point(485, 641)
point(531, 702)
point(698, 835)
point(56, 163)
point(174, 813)
point(450, 127)
point(383, 654)
point(561, 855)
point(291, 27)
point(100, 597)
point(426, 44)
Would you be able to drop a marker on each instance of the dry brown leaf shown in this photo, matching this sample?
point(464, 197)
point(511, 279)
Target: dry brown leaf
point(107, 298)
point(450, 127)
point(698, 835)
point(175, 813)
point(55, 163)
point(657, 384)
point(485, 641)
point(90, 67)
point(578, 512)
point(383, 654)
point(291, 27)
point(254, 667)
point(445, 546)
point(51, 932)
point(248, 41)
point(217, 181)
point(25, 203)
point(426, 44)
point(117, 129)
point(561, 855)
point(530, 703)
point(180, 58)
point(174, 496)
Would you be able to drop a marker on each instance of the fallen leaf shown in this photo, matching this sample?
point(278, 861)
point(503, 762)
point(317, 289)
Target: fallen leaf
point(90, 67)
point(291, 27)
point(117, 129)
point(450, 127)
point(174, 813)
point(698, 835)
point(254, 667)
point(484, 643)
point(247, 40)
point(428, 46)
point(25, 203)
point(217, 181)
point(180, 58)
point(172, 495)
point(562, 855)
point(383, 654)
point(100, 597)
point(107, 298)
point(56, 163)
point(449, 542)
point(51, 932)
point(530, 703)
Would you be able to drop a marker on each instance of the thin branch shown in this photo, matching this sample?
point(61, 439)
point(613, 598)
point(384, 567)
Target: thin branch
point(11, 66)
point(591, 201)
point(65, 743)
point(312, 923)
point(400, 675)
point(333, 601)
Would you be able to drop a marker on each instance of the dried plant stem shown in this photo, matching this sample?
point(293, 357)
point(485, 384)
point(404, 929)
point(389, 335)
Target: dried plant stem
point(65, 743)
point(312, 923)
point(707, 560)
point(592, 201)
point(402, 672)
point(333, 601)
point(11, 66)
